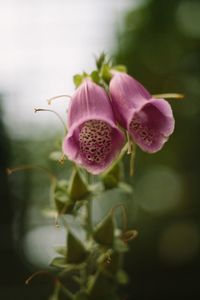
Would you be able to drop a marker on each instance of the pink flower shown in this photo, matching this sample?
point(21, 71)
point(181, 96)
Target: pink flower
point(93, 140)
point(149, 121)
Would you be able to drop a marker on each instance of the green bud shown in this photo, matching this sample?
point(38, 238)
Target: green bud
point(105, 73)
point(104, 232)
point(58, 262)
point(76, 252)
point(77, 189)
point(111, 178)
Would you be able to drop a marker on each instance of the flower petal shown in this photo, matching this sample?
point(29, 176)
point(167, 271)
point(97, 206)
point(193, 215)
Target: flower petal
point(152, 124)
point(90, 101)
point(93, 140)
point(127, 94)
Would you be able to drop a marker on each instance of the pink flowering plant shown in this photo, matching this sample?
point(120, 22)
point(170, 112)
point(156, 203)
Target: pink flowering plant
point(109, 115)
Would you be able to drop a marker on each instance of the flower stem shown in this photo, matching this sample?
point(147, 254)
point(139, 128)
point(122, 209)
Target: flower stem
point(89, 218)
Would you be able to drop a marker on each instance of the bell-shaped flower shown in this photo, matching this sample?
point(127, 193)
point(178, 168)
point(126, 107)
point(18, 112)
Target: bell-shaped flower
point(93, 140)
point(148, 120)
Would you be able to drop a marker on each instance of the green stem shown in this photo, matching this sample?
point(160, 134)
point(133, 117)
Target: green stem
point(89, 218)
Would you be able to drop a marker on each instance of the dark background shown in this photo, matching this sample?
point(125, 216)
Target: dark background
point(160, 44)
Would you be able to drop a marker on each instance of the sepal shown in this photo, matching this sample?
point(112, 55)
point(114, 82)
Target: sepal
point(76, 252)
point(78, 79)
point(111, 178)
point(78, 189)
point(104, 232)
point(120, 68)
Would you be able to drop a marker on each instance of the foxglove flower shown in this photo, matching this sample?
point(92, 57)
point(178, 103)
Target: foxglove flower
point(93, 140)
point(149, 121)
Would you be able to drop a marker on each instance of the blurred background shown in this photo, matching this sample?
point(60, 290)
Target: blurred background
point(43, 44)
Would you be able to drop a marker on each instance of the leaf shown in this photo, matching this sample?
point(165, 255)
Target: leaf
point(78, 79)
point(100, 60)
point(104, 232)
point(59, 262)
point(76, 252)
point(95, 76)
point(61, 250)
point(77, 189)
point(120, 68)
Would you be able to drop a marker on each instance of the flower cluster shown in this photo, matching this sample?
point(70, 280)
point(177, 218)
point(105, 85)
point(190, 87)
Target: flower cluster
point(98, 119)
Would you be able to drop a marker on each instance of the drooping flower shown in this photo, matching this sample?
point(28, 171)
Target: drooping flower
point(148, 120)
point(93, 140)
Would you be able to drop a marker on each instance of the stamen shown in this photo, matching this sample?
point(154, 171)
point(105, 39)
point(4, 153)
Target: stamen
point(30, 278)
point(53, 111)
point(31, 167)
point(95, 140)
point(129, 235)
point(56, 97)
point(169, 96)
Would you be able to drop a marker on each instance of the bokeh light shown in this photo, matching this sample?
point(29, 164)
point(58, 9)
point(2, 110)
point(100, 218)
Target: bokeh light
point(159, 189)
point(179, 243)
point(188, 18)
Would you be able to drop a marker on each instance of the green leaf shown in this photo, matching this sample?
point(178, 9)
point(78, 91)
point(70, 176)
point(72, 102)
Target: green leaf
point(76, 252)
point(104, 232)
point(77, 189)
point(105, 73)
point(100, 60)
point(78, 79)
point(95, 76)
point(61, 250)
point(58, 262)
point(120, 68)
